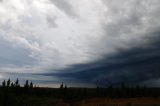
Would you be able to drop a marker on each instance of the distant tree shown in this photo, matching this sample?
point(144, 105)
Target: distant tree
point(12, 85)
point(8, 83)
point(65, 87)
point(31, 85)
point(61, 90)
point(4, 83)
point(61, 86)
point(65, 92)
point(26, 85)
point(17, 83)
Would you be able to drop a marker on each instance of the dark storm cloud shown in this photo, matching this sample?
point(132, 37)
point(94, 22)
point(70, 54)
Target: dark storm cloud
point(65, 6)
point(134, 33)
point(129, 66)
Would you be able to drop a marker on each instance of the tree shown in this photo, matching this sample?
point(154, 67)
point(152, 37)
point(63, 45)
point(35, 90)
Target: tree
point(8, 83)
point(61, 89)
point(61, 86)
point(65, 92)
point(12, 85)
point(17, 83)
point(26, 85)
point(31, 85)
point(4, 83)
point(65, 89)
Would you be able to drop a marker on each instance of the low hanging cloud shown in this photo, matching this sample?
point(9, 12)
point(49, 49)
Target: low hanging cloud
point(54, 35)
point(134, 66)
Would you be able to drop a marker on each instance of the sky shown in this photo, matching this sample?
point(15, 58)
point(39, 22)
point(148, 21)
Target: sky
point(80, 42)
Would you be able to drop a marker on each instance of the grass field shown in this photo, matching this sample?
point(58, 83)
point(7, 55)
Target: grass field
point(63, 96)
point(119, 102)
point(93, 102)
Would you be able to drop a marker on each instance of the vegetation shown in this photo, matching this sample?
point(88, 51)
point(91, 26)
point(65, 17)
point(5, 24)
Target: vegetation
point(12, 94)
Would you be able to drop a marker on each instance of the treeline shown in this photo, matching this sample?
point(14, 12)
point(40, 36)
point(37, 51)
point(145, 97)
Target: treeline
point(16, 84)
point(13, 93)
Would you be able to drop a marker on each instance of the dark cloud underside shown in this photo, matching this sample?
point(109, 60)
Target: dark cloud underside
point(127, 66)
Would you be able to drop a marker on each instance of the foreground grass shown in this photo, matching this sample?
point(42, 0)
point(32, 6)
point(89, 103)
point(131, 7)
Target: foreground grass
point(63, 96)
point(38, 101)
point(51, 101)
point(119, 102)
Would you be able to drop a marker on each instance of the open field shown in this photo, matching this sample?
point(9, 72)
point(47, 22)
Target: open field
point(93, 102)
point(120, 102)
point(63, 96)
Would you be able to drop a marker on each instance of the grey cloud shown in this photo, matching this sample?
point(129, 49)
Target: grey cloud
point(127, 24)
point(65, 6)
point(124, 35)
point(12, 55)
point(51, 21)
point(131, 15)
point(129, 66)
point(133, 32)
